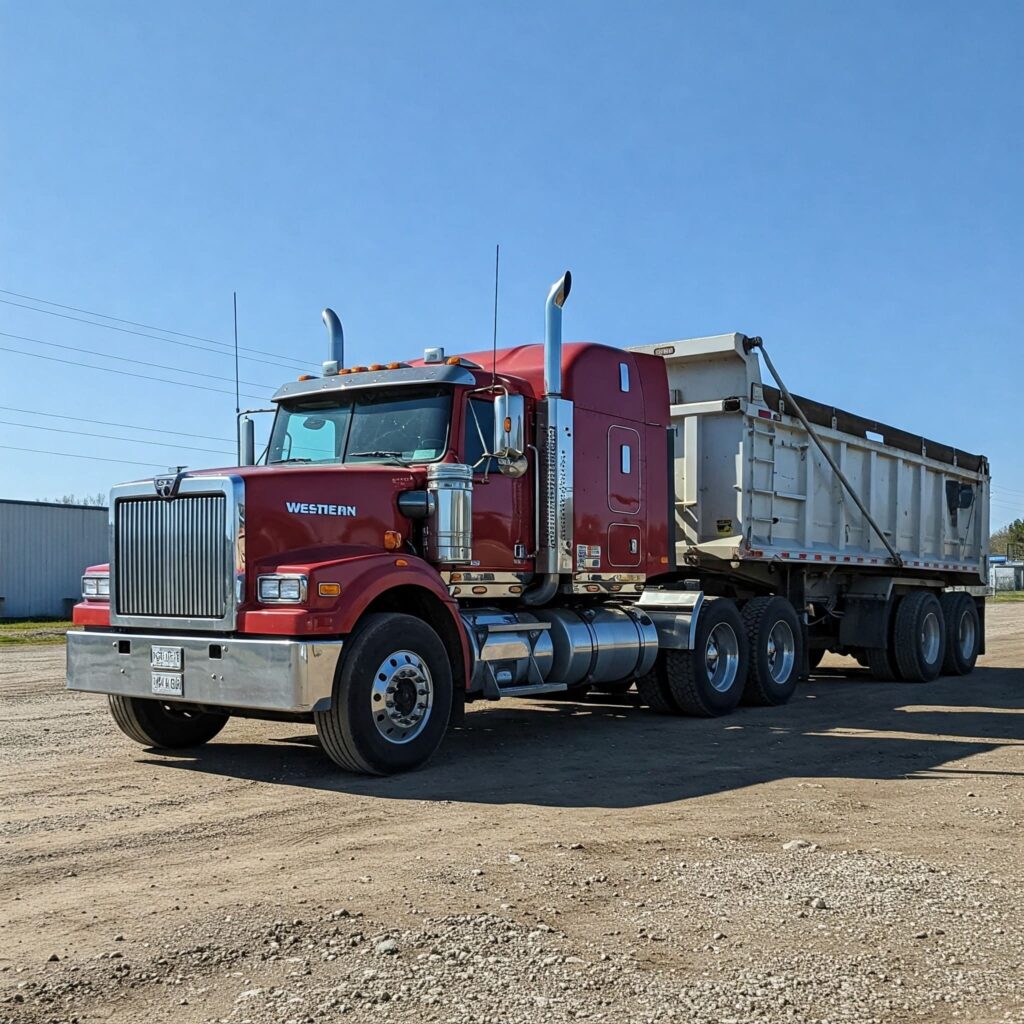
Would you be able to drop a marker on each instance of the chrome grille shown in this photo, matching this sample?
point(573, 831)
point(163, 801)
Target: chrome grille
point(171, 557)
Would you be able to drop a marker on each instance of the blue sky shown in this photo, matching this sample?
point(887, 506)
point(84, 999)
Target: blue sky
point(842, 179)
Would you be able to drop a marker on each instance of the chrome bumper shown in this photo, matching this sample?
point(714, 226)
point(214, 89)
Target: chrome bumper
point(264, 675)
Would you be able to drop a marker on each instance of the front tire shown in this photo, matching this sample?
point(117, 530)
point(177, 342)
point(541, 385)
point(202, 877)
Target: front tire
point(155, 723)
point(776, 649)
point(709, 680)
point(392, 697)
point(963, 633)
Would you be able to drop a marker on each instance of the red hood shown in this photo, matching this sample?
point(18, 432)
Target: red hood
point(292, 509)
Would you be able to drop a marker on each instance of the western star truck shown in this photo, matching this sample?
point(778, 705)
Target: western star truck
point(539, 520)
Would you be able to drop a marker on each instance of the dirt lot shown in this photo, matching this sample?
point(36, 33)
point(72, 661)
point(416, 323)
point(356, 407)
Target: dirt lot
point(855, 856)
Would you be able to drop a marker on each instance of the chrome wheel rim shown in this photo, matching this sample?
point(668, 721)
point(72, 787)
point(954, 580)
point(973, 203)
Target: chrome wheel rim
point(721, 657)
point(781, 652)
point(402, 697)
point(966, 636)
point(931, 637)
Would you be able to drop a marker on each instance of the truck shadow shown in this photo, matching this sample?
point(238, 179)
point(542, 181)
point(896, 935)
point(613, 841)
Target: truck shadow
point(611, 752)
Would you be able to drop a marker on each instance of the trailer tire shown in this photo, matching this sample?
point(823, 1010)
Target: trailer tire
point(963, 633)
point(396, 656)
point(776, 650)
point(155, 723)
point(919, 637)
point(709, 680)
point(654, 690)
point(881, 664)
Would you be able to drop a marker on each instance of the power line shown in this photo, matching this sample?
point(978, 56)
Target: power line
point(155, 337)
point(69, 455)
point(114, 437)
point(107, 423)
point(124, 373)
point(128, 359)
point(120, 320)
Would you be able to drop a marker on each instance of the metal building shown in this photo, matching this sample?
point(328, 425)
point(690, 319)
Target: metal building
point(44, 547)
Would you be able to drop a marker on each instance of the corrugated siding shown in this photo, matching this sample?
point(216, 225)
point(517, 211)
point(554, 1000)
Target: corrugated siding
point(43, 550)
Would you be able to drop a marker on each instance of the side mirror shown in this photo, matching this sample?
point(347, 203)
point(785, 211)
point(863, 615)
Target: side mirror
point(246, 442)
point(509, 427)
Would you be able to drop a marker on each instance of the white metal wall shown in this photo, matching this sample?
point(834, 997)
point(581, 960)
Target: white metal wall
point(43, 550)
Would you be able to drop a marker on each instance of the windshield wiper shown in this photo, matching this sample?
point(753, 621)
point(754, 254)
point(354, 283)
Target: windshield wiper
point(283, 462)
point(397, 456)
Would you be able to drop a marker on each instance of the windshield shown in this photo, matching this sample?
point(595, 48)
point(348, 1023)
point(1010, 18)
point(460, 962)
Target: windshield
point(372, 425)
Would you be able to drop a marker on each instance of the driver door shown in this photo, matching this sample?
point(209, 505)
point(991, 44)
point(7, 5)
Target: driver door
point(501, 519)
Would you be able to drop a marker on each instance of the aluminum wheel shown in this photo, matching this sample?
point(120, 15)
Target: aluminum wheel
point(722, 657)
point(402, 697)
point(966, 636)
point(781, 652)
point(931, 637)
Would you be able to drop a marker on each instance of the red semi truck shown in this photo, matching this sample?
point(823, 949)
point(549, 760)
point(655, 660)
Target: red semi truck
point(543, 520)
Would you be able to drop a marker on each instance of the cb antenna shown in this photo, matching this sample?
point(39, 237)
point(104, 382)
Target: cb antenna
point(494, 341)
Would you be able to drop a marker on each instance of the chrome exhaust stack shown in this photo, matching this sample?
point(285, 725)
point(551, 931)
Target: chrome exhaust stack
point(335, 342)
point(555, 460)
point(553, 335)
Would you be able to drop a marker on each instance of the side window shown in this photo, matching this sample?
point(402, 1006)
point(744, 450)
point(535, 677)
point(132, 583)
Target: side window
point(479, 420)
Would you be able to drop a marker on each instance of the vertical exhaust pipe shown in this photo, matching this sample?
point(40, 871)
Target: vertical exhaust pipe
point(335, 342)
point(553, 483)
point(553, 335)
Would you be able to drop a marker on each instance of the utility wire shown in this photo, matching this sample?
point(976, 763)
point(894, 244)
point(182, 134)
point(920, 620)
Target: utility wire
point(155, 337)
point(107, 423)
point(120, 320)
point(128, 359)
point(114, 437)
point(124, 373)
point(69, 455)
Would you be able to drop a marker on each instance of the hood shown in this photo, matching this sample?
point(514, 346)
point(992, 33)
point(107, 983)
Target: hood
point(289, 509)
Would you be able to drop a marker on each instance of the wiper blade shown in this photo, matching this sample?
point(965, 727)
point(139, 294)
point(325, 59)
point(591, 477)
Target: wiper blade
point(379, 455)
point(283, 462)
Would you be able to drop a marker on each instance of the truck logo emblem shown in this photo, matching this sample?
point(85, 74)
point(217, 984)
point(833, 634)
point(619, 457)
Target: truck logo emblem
point(312, 508)
point(166, 486)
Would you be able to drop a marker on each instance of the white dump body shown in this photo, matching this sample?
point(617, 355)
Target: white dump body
point(751, 486)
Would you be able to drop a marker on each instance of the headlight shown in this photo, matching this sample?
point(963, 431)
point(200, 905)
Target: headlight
point(278, 589)
point(95, 587)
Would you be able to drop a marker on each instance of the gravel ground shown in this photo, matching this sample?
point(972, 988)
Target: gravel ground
point(853, 857)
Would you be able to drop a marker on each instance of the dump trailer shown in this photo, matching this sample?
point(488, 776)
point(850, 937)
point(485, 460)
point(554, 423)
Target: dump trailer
point(541, 520)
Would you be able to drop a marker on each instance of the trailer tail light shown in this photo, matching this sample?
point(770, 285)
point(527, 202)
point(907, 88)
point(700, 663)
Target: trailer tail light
point(329, 589)
point(392, 540)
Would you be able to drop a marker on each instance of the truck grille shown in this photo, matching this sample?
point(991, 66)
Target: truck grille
point(171, 557)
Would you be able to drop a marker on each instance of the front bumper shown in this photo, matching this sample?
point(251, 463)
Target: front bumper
point(262, 675)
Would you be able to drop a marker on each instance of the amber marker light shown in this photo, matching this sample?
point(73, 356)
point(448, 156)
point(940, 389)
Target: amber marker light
point(401, 562)
point(329, 590)
point(392, 540)
point(453, 360)
point(305, 376)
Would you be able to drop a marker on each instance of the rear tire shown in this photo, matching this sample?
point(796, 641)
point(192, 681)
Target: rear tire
point(654, 690)
point(392, 697)
point(880, 664)
point(709, 680)
point(919, 637)
point(963, 633)
point(776, 650)
point(155, 723)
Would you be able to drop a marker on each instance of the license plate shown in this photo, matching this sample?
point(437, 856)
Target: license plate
point(169, 684)
point(166, 658)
